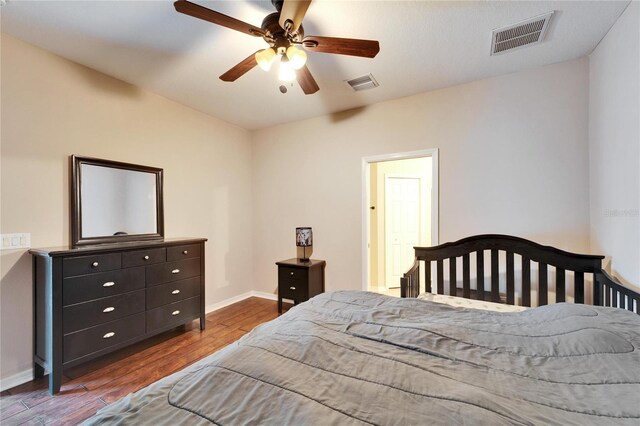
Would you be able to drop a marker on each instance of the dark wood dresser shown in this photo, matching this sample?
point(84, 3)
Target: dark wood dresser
point(299, 280)
point(92, 300)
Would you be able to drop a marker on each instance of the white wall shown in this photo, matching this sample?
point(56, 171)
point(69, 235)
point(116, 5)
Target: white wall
point(52, 108)
point(513, 159)
point(614, 146)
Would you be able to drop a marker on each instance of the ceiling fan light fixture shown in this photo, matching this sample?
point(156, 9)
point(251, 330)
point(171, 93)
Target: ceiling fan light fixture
point(287, 72)
point(297, 57)
point(265, 58)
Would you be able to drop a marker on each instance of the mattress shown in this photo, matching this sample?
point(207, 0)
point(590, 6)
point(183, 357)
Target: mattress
point(461, 302)
point(355, 358)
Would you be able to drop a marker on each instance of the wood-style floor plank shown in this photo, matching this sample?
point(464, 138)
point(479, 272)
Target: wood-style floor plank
point(89, 387)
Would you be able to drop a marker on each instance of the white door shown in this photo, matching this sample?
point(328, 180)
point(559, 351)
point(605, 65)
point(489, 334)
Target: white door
point(402, 225)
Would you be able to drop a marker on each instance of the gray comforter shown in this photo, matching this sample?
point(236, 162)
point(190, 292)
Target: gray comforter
point(360, 358)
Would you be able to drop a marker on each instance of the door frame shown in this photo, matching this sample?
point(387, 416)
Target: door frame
point(366, 179)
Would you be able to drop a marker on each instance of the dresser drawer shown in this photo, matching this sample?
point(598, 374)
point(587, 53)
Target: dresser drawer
point(95, 286)
point(173, 313)
point(293, 289)
point(81, 265)
point(172, 271)
point(87, 314)
point(102, 336)
point(183, 252)
point(143, 257)
point(292, 273)
point(167, 293)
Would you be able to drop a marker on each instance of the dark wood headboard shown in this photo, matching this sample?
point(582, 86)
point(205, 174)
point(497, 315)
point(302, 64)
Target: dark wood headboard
point(605, 288)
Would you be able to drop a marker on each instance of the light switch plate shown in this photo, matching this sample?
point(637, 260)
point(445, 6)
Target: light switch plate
point(15, 241)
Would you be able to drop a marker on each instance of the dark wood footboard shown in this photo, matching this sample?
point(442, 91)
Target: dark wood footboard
point(504, 253)
point(609, 292)
point(477, 247)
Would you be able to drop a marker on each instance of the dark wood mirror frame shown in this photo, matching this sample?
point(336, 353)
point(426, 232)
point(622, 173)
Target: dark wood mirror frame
point(77, 238)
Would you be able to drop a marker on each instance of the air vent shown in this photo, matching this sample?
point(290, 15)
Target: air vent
point(525, 33)
point(363, 83)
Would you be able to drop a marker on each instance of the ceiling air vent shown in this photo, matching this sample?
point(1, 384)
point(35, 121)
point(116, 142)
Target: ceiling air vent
point(363, 83)
point(525, 33)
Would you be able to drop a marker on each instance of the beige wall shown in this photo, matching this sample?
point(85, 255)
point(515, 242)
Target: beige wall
point(513, 159)
point(614, 145)
point(419, 167)
point(52, 108)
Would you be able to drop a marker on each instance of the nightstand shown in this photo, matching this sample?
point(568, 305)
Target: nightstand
point(299, 281)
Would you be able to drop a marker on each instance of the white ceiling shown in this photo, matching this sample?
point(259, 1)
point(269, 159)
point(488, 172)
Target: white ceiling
point(423, 46)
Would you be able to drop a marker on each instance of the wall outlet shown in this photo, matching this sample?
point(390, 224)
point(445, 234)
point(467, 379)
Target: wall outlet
point(15, 241)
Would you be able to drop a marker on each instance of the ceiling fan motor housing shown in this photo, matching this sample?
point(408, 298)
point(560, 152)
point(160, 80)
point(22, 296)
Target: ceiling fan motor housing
point(277, 36)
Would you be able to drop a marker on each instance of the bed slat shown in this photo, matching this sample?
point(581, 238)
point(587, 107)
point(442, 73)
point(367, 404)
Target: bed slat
point(560, 287)
point(510, 279)
point(440, 277)
point(526, 281)
point(466, 277)
point(614, 297)
point(495, 276)
point(453, 281)
point(427, 276)
point(480, 275)
point(543, 291)
point(578, 285)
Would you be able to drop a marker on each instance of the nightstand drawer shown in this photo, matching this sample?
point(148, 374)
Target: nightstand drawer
point(285, 273)
point(85, 342)
point(293, 289)
point(172, 271)
point(183, 252)
point(173, 313)
point(82, 265)
point(95, 286)
point(143, 257)
point(168, 293)
point(87, 314)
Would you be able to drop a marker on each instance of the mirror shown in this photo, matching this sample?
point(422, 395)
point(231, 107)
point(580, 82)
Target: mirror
point(115, 202)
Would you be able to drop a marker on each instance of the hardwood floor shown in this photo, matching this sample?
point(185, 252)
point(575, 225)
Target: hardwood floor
point(91, 386)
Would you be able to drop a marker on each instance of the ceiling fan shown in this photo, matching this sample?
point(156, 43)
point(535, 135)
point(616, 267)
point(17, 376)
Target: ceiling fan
point(284, 33)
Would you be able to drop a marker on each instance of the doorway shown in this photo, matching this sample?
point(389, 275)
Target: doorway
point(400, 212)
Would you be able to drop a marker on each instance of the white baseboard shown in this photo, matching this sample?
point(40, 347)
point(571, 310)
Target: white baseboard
point(264, 295)
point(27, 375)
point(239, 298)
point(15, 380)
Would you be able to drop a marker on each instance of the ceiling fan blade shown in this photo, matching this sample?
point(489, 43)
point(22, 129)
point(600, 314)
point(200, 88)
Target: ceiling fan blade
point(197, 11)
point(306, 81)
point(241, 69)
point(293, 10)
point(342, 46)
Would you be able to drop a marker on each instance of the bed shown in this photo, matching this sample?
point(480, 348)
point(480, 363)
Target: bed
point(353, 357)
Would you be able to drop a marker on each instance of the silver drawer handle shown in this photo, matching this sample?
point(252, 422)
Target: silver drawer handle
point(175, 271)
point(185, 252)
point(292, 288)
point(94, 264)
point(108, 284)
point(175, 312)
point(291, 273)
point(109, 335)
point(109, 309)
point(175, 292)
point(146, 258)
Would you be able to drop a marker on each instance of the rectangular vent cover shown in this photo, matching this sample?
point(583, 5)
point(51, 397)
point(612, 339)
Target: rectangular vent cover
point(525, 33)
point(363, 83)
